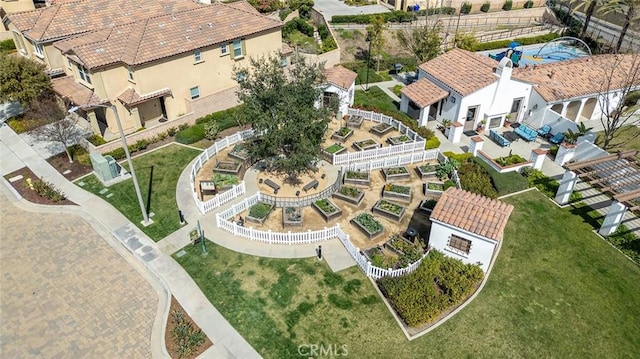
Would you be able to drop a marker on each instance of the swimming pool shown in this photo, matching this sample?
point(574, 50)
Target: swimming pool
point(541, 54)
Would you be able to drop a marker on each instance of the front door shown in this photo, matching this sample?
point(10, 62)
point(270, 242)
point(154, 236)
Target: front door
point(515, 109)
point(472, 113)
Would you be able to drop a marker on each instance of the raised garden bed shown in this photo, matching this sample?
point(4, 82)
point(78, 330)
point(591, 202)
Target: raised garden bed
point(327, 209)
point(342, 134)
point(381, 257)
point(397, 192)
point(335, 149)
point(434, 188)
point(398, 140)
point(367, 144)
point(355, 121)
point(224, 181)
point(368, 225)
point(239, 152)
point(408, 252)
point(349, 194)
point(396, 173)
point(291, 217)
point(381, 129)
point(359, 178)
point(428, 205)
point(227, 167)
point(259, 212)
point(389, 209)
point(427, 170)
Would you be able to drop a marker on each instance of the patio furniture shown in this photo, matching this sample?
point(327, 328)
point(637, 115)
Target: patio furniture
point(544, 130)
point(526, 132)
point(510, 135)
point(313, 184)
point(273, 185)
point(497, 138)
point(557, 139)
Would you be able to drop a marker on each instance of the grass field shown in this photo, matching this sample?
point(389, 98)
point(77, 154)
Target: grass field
point(628, 138)
point(158, 172)
point(557, 290)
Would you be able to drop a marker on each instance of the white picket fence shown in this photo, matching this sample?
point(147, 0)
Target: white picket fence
point(382, 152)
point(227, 196)
point(396, 161)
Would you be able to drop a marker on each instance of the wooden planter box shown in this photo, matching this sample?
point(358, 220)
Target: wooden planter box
point(381, 129)
point(427, 170)
point(260, 221)
point(357, 181)
point(367, 144)
point(351, 199)
point(355, 121)
point(328, 215)
point(396, 173)
point(389, 209)
point(364, 229)
point(227, 167)
point(239, 153)
point(399, 140)
point(390, 193)
point(337, 136)
point(437, 191)
point(331, 150)
point(292, 217)
point(423, 205)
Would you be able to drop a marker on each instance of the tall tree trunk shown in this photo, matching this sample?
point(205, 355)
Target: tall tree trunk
point(590, 10)
point(66, 149)
point(623, 32)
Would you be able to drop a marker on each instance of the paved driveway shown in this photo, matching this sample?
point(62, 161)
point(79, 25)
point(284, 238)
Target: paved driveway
point(65, 293)
point(335, 7)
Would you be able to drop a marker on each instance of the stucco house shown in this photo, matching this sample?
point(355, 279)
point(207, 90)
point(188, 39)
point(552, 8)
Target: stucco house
point(475, 90)
point(155, 61)
point(340, 85)
point(468, 226)
point(10, 7)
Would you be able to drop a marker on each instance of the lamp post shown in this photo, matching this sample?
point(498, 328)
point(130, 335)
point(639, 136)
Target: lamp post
point(368, 39)
point(145, 216)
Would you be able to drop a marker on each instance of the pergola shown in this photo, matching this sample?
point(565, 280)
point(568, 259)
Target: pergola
point(617, 175)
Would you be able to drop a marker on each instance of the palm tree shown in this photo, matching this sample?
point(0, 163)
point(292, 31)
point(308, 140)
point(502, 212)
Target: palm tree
point(589, 7)
point(630, 9)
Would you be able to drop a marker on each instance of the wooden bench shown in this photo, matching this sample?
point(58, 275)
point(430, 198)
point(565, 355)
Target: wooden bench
point(313, 184)
point(273, 185)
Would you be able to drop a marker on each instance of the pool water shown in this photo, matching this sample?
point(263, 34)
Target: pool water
point(538, 54)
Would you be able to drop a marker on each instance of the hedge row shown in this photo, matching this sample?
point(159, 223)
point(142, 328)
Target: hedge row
point(393, 16)
point(501, 44)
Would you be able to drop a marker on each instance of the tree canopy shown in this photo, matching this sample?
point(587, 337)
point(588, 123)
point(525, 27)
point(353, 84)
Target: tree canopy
point(424, 43)
point(281, 107)
point(22, 80)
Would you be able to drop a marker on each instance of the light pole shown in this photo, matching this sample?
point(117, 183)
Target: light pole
point(368, 39)
point(145, 216)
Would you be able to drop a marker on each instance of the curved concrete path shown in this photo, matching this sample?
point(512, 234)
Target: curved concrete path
point(120, 233)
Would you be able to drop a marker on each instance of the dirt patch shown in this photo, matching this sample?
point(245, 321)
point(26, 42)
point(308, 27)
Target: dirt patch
point(172, 347)
point(26, 192)
point(354, 47)
point(70, 171)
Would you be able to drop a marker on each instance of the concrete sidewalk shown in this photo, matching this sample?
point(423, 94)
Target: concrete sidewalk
point(228, 343)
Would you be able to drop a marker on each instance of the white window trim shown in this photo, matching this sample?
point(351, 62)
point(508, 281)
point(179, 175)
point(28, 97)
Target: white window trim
point(457, 251)
point(130, 75)
point(197, 57)
point(83, 74)
point(20, 46)
point(197, 88)
point(224, 50)
point(38, 49)
point(237, 57)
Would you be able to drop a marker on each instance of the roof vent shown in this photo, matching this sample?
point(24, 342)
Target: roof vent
point(173, 16)
point(188, 38)
point(210, 24)
point(200, 27)
point(99, 51)
point(233, 25)
point(161, 25)
point(163, 42)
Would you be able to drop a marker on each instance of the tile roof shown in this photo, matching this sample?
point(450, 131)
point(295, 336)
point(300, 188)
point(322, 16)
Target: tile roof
point(463, 71)
point(75, 17)
point(167, 35)
point(68, 88)
point(340, 76)
point(286, 49)
point(130, 96)
point(474, 213)
point(424, 92)
point(564, 80)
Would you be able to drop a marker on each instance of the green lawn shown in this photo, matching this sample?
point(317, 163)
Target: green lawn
point(557, 290)
point(628, 138)
point(377, 100)
point(163, 167)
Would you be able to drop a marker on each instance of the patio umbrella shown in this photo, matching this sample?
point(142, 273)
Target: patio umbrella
point(514, 44)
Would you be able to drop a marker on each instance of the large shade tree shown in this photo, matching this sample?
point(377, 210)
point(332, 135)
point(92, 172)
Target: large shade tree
point(425, 43)
point(282, 107)
point(22, 80)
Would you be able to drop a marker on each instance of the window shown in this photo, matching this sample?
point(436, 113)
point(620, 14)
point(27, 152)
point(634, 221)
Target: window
point(38, 50)
point(130, 74)
point(195, 92)
point(460, 244)
point(197, 56)
point(83, 73)
point(283, 62)
point(515, 106)
point(224, 49)
point(19, 42)
point(69, 63)
point(237, 48)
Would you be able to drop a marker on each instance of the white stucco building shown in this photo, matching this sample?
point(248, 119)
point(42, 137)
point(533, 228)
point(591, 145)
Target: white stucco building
point(341, 84)
point(468, 226)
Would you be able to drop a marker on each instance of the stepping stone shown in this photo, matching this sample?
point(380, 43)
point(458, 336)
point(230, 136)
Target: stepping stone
point(103, 191)
point(81, 184)
point(110, 195)
point(66, 172)
point(181, 253)
point(15, 178)
point(151, 214)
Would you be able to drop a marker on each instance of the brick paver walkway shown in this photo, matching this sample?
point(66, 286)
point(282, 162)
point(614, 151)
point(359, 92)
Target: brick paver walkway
point(65, 293)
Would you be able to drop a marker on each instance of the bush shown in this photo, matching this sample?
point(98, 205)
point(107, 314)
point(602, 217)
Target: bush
point(507, 5)
point(528, 4)
point(211, 130)
point(329, 44)
point(7, 45)
point(465, 8)
point(439, 283)
point(476, 179)
point(45, 189)
point(183, 127)
point(297, 24)
point(432, 143)
point(323, 31)
point(225, 119)
point(284, 13)
point(172, 131)
point(117, 154)
point(485, 7)
point(539, 180)
point(460, 157)
point(522, 40)
point(96, 140)
point(504, 183)
point(139, 145)
point(191, 134)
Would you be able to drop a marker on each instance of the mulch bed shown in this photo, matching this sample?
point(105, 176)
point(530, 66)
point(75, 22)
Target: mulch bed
point(27, 193)
point(168, 339)
point(61, 163)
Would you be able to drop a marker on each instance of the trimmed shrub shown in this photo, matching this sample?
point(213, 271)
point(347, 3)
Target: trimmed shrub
point(117, 154)
point(522, 40)
point(191, 134)
point(485, 7)
point(528, 4)
point(46, 190)
point(465, 8)
point(432, 143)
point(96, 140)
point(504, 183)
point(172, 131)
point(297, 24)
point(323, 31)
point(476, 179)
point(460, 157)
point(507, 5)
point(7, 45)
point(284, 13)
point(140, 145)
point(225, 119)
